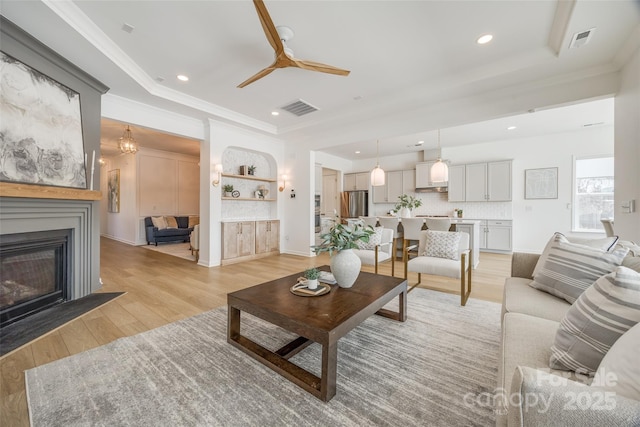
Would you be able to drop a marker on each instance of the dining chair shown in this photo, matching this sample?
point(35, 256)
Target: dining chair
point(438, 224)
point(608, 227)
point(442, 253)
point(370, 220)
point(393, 223)
point(411, 228)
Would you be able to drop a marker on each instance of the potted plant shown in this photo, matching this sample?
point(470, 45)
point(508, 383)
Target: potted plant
point(312, 274)
point(341, 239)
point(406, 204)
point(251, 169)
point(228, 189)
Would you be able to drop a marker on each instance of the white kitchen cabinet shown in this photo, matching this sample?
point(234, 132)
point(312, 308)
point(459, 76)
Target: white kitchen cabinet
point(363, 180)
point(498, 235)
point(483, 234)
point(394, 186)
point(349, 182)
point(499, 181)
point(423, 175)
point(356, 181)
point(408, 181)
point(488, 182)
point(456, 183)
point(474, 230)
point(380, 192)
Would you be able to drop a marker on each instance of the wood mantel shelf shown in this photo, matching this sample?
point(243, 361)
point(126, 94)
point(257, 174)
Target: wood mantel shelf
point(10, 189)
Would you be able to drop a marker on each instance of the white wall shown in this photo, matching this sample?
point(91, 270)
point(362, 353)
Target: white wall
point(121, 225)
point(627, 149)
point(218, 138)
point(152, 183)
point(534, 221)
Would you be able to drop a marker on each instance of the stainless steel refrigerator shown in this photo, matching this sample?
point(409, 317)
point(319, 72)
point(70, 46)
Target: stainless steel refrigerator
point(354, 204)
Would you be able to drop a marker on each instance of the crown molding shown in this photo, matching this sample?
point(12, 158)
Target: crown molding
point(80, 22)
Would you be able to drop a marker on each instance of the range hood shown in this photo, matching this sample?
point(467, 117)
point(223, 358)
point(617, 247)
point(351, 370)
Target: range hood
point(423, 179)
point(442, 188)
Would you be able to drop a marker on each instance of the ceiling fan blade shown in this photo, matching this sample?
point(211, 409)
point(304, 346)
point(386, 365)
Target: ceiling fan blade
point(316, 66)
point(268, 27)
point(257, 76)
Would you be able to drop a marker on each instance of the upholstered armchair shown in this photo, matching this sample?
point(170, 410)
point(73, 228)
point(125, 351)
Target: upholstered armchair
point(376, 252)
point(441, 253)
point(195, 241)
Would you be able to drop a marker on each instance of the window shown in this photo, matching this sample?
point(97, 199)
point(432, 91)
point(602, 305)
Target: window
point(593, 193)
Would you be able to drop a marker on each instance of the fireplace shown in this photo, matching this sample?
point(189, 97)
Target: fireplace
point(34, 273)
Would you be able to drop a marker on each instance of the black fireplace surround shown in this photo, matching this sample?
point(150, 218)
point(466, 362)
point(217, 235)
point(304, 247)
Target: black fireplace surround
point(34, 273)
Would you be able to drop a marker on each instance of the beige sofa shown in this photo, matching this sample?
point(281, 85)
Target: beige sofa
point(529, 392)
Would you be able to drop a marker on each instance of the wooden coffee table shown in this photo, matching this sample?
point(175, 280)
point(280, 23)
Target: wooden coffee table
point(323, 319)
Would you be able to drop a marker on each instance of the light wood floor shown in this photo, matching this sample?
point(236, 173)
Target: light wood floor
point(161, 289)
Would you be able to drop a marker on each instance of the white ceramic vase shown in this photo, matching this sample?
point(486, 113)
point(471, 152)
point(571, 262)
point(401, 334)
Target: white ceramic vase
point(345, 266)
point(404, 213)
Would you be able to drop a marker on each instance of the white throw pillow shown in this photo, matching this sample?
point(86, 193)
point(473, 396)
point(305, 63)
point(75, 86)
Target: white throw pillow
point(442, 244)
point(605, 244)
point(596, 320)
point(619, 370)
point(159, 222)
point(632, 260)
point(374, 240)
point(570, 268)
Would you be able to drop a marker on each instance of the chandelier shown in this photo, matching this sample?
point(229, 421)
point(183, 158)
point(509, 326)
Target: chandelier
point(128, 144)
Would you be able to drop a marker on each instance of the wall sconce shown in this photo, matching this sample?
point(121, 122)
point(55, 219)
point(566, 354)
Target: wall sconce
point(218, 170)
point(284, 183)
point(102, 161)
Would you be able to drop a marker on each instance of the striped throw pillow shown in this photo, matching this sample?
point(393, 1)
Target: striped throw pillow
point(442, 244)
point(598, 318)
point(571, 268)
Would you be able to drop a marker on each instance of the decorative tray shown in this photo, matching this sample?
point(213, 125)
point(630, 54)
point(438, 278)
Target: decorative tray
point(301, 290)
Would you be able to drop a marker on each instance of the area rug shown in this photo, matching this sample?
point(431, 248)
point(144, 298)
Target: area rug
point(180, 250)
point(17, 334)
point(428, 370)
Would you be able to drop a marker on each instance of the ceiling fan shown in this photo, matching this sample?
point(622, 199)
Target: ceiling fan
point(284, 56)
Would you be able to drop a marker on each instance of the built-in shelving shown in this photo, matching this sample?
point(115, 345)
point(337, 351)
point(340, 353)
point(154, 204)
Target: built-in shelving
point(249, 177)
point(249, 199)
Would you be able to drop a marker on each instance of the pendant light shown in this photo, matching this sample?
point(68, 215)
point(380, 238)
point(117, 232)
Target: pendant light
point(439, 170)
point(377, 174)
point(127, 143)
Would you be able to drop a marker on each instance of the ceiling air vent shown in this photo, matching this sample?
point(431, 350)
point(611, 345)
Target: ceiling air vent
point(299, 108)
point(581, 38)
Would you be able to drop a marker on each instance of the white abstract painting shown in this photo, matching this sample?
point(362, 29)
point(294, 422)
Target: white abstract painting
point(541, 183)
point(41, 129)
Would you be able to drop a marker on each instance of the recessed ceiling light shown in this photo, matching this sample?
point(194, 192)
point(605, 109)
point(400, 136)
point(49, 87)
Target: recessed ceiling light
point(420, 143)
point(182, 78)
point(275, 113)
point(357, 152)
point(511, 128)
point(484, 39)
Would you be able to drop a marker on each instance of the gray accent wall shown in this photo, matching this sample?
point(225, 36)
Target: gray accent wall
point(83, 217)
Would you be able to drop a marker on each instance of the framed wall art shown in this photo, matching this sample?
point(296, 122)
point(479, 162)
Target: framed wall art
point(41, 129)
point(541, 183)
point(113, 190)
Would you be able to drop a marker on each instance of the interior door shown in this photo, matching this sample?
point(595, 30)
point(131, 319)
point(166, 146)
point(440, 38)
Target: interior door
point(329, 200)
